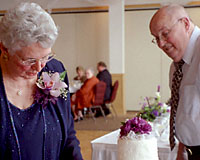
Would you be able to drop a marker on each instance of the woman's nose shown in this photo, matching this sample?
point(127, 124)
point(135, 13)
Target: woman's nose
point(38, 65)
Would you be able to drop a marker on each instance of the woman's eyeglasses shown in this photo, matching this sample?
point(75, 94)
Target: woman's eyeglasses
point(32, 61)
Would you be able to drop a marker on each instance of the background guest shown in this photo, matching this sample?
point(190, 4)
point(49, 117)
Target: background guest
point(78, 80)
point(84, 96)
point(104, 75)
point(36, 130)
point(80, 74)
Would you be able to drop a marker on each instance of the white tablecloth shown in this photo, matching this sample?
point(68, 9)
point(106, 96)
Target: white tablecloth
point(74, 86)
point(105, 147)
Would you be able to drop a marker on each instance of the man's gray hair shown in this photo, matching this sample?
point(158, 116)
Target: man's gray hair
point(25, 24)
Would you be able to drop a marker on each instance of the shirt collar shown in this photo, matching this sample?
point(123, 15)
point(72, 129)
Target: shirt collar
point(191, 45)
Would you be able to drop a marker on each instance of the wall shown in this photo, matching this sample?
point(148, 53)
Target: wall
point(83, 40)
point(146, 66)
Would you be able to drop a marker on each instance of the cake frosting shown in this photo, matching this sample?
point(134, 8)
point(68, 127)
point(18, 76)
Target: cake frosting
point(136, 141)
point(137, 149)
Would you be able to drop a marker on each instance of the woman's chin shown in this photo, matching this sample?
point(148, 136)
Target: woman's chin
point(31, 75)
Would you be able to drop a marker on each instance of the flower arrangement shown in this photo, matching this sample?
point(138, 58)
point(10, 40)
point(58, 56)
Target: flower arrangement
point(153, 108)
point(135, 126)
point(50, 87)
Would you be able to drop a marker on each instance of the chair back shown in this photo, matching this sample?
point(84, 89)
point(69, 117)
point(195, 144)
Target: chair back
point(99, 92)
point(114, 92)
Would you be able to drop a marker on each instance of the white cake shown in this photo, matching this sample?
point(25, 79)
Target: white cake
point(137, 149)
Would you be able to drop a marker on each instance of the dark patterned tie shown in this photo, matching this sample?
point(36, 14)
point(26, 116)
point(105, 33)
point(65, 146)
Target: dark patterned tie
point(176, 82)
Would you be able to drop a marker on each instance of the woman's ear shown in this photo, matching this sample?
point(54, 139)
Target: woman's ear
point(4, 52)
point(2, 48)
point(5, 57)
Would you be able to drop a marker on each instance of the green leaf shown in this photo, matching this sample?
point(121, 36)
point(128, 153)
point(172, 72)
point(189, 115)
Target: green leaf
point(62, 75)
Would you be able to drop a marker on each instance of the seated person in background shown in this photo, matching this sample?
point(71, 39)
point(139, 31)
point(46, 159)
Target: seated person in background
point(80, 74)
point(78, 80)
point(84, 96)
point(105, 76)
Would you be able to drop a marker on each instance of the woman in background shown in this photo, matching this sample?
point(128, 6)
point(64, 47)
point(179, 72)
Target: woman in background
point(84, 96)
point(80, 74)
point(32, 129)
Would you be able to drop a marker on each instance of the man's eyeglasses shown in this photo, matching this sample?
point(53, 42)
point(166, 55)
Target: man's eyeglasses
point(165, 34)
point(32, 61)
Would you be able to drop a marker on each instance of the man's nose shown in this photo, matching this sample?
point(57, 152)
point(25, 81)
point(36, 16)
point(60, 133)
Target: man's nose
point(161, 43)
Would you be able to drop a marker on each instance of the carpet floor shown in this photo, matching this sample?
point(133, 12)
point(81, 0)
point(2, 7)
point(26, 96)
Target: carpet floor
point(101, 124)
point(88, 130)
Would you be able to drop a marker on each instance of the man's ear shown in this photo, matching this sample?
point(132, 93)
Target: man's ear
point(186, 22)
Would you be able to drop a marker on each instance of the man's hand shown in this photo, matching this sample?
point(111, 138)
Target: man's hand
point(181, 152)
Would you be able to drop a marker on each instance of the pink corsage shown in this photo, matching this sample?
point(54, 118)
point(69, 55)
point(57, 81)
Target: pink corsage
point(50, 87)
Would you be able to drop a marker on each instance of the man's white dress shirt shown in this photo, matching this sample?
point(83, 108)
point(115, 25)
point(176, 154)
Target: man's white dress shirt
point(187, 122)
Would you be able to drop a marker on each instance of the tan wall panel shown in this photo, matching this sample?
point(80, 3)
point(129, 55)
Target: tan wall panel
point(119, 101)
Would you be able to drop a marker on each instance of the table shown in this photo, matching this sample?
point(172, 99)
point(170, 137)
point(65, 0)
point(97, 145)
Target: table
point(105, 147)
point(74, 86)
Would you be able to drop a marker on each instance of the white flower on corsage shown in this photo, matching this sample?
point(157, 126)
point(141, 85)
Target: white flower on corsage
point(50, 87)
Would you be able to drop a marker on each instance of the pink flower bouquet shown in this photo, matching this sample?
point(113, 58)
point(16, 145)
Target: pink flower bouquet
point(50, 87)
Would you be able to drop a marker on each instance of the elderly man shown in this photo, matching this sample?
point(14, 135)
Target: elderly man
point(105, 76)
point(84, 96)
point(179, 38)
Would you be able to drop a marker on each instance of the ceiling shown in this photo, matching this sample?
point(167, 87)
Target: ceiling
point(49, 4)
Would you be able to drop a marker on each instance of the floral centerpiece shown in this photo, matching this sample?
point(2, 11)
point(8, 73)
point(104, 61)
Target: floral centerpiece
point(50, 87)
point(135, 127)
point(153, 107)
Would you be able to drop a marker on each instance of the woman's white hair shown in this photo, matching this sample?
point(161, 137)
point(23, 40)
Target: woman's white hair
point(90, 69)
point(26, 24)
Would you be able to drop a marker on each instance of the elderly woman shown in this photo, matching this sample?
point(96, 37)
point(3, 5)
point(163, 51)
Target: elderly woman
point(33, 124)
point(84, 96)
